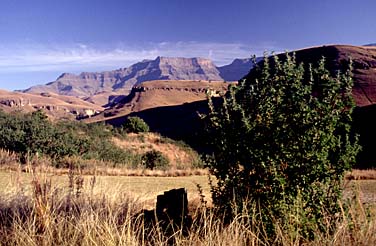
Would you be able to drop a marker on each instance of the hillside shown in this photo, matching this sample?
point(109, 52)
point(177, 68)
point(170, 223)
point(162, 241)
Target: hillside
point(337, 56)
point(55, 106)
point(100, 87)
point(160, 93)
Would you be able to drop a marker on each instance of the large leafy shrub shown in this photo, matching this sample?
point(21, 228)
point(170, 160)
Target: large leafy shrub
point(281, 137)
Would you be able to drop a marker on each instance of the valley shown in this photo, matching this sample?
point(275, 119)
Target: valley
point(86, 156)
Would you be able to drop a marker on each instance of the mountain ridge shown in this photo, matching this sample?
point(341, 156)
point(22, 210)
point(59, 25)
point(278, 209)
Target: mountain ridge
point(120, 81)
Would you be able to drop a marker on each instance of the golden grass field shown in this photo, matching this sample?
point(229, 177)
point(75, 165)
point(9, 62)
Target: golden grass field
point(41, 205)
point(103, 215)
point(144, 189)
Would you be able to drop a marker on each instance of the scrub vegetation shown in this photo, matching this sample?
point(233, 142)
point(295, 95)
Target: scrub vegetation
point(280, 154)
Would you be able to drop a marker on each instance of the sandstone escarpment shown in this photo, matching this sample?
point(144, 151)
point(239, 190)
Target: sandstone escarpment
point(162, 93)
point(100, 87)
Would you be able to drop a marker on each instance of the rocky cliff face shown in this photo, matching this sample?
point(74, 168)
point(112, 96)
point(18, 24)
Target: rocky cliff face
point(99, 88)
point(85, 85)
point(82, 85)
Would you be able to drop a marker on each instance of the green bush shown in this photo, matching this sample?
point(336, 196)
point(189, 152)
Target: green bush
point(30, 134)
point(281, 137)
point(135, 125)
point(154, 159)
point(34, 134)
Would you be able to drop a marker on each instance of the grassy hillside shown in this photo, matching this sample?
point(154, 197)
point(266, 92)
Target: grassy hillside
point(70, 144)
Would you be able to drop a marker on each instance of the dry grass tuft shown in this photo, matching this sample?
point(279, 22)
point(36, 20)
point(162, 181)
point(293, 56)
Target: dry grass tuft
point(8, 158)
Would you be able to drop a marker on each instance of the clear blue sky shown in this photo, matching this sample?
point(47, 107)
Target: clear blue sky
point(40, 39)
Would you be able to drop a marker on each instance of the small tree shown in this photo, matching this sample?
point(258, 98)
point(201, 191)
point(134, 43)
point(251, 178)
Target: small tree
point(154, 159)
point(281, 137)
point(135, 125)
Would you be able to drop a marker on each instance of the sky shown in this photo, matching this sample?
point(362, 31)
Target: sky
point(40, 39)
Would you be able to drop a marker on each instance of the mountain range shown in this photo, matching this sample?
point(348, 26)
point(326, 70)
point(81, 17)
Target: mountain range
point(99, 87)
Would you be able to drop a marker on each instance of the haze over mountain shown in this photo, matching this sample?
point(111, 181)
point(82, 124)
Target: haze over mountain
point(236, 70)
point(88, 85)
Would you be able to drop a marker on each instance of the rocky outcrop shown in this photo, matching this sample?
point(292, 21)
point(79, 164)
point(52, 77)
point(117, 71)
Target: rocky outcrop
point(82, 85)
point(55, 106)
point(101, 88)
point(14, 102)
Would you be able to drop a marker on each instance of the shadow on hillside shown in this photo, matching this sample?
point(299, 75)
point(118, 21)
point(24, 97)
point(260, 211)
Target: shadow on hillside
point(180, 122)
point(364, 124)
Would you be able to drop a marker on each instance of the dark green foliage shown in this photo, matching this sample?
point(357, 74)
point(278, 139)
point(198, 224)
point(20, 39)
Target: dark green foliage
point(154, 159)
point(135, 125)
point(34, 134)
point(282, 138)
point(30, 134)
point(99, 145)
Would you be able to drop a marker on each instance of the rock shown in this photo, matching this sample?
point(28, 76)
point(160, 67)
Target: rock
point(171, 214)
point(172, 208)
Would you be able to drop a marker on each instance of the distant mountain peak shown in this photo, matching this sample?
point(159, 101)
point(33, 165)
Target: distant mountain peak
point(237, 69)
point(66, 75)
